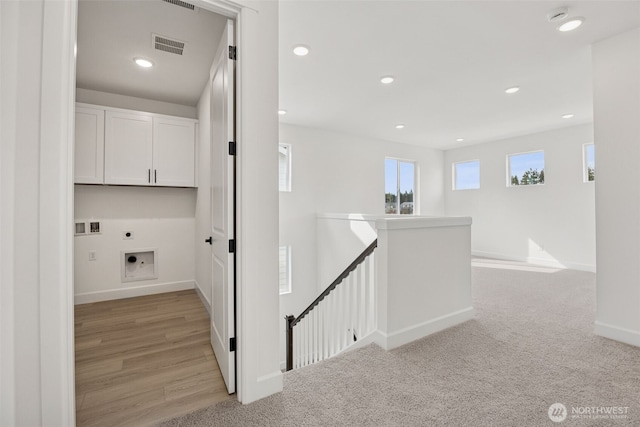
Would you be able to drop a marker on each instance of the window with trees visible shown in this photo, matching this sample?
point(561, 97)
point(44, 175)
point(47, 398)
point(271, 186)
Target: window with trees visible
point(284, 166)
point(285, 270)
point(466, 175)
point(525, 168)
point(589, 160)
point(399, 187)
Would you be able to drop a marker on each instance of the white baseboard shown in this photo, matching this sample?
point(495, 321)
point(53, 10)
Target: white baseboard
point(203, 298)
point(537, 261)
point(616, 333)
point(112, 294)
point(421, 330)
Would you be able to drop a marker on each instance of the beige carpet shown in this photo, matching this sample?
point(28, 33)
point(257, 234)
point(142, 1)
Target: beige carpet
point(530, 345)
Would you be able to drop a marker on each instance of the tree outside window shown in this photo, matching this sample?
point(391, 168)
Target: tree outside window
point(589, 160)
point(400, 181)
point(526, 168)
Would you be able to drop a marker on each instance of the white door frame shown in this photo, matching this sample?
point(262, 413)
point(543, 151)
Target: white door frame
point(56, 165)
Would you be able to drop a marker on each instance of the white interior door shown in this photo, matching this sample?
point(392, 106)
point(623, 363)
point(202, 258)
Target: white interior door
point(223, 211)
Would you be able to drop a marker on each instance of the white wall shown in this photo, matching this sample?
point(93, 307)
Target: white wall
point(552, 224)
point(423, 277)
point(134, 103)
point(161, 218)
point(616, 66)
point(337, 173)
point(340, 239)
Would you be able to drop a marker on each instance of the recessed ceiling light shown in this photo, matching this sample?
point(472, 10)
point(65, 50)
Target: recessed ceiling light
point(301, 50)
point(513, 89)
point(400, 126)
point(144, 63)
point(387, 79)
point(459, 139)
point(282, 112)
point(571, 24)
point(567, 116)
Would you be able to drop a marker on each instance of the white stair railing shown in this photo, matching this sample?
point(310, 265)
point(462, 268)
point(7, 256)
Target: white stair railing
point(340, 316)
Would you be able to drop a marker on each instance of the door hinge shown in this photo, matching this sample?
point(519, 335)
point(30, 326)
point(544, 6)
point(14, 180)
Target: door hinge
point(232, 148)
point(232, 344)
point(233, 52)
point(232, 246)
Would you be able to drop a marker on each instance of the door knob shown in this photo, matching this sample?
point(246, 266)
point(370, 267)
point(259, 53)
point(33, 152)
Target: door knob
point(209, 240)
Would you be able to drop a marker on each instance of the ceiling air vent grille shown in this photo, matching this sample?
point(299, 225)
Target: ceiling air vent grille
point(181, 4)
point(166, 44)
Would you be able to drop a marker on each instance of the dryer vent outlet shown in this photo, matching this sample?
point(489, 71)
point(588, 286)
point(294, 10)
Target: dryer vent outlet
point(139, 264)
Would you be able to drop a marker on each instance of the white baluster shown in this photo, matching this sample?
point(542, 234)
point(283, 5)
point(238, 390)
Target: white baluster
point(352, 305)
point(372, 293)
point(347, 306)
point(303, 337)
point(314, 337)
point(321, 332)
point(366, 295)
point(360, 304)
point(342, 314)
point(308, 341)
point(300, 341)
point(296, 346)
point(335, 320)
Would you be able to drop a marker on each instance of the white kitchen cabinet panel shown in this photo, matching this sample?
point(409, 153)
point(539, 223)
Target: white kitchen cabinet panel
point(89, 146)
point(173, 152)
point(128, 148)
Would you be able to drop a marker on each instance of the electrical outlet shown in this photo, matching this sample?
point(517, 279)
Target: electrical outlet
point(92, 256)
point(127, 235)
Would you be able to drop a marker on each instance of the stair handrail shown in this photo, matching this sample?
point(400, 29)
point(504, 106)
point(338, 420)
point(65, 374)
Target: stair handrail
point(292, 320)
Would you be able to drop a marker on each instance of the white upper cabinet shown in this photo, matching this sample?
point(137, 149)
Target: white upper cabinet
point(138, 148)
point(89, 146)
point(173, 152)
point(128, 148)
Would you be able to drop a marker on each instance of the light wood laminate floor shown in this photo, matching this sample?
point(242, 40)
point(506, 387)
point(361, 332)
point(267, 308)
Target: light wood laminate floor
point(142, 360)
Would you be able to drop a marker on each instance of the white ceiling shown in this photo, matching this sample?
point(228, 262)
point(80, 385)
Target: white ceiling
point(111, 33)
point(452, 61)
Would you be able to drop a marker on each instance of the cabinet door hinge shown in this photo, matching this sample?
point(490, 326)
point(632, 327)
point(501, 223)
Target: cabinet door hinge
point(233, 52)
point(232, 344)
point(232, 148)
point(232, 246)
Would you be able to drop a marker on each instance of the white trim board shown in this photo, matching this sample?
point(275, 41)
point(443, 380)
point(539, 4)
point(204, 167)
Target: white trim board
point(421, 330)
point(137, 291)
point(536, 261)
point(203, 298)
point(617, 333)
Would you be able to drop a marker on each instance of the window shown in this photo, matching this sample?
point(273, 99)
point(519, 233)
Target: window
point(466, 175)
point(284, 165)
point(285, 270)
point(525, 169)
point(399, 187)
point(589, 161)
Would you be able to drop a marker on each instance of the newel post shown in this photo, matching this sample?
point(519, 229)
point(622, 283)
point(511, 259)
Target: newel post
point(289, 339)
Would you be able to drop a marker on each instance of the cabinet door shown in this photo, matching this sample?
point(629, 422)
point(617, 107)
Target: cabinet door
point(173, 152)
point(128, 148)
point(89, 146)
